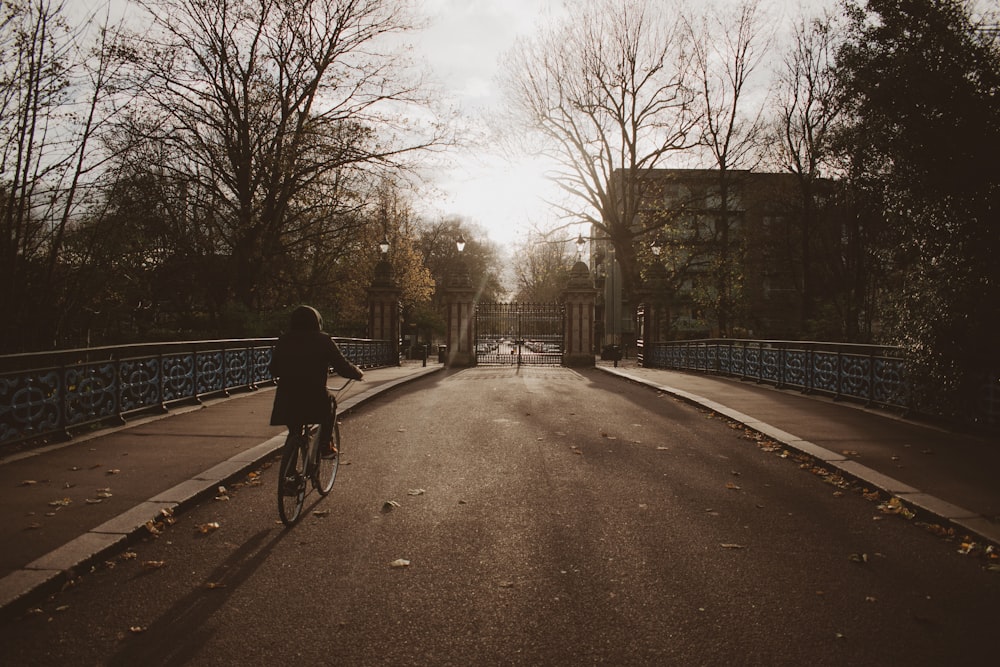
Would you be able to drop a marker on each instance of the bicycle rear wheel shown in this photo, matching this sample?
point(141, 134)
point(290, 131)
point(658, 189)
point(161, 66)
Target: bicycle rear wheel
point(292, 479)
point(326, 472)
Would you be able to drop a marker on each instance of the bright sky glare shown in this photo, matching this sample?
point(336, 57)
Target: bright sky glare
point(463, 45)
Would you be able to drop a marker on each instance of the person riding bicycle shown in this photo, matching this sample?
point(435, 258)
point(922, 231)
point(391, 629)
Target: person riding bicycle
point(300, 363)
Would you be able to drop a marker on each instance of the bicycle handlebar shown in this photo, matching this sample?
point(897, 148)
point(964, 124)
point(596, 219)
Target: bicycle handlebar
point(343, 387)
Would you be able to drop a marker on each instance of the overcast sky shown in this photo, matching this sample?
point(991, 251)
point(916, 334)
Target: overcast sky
point(462, 45)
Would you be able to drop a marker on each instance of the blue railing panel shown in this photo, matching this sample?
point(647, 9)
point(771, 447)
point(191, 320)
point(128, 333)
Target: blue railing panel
point(239, 372)
point(90, 393)
point(211, 372)
point(796, 369)
point(856, 376)
point(868, 373)
point(178, 377)
point(770, 365)
point(30, 402)
point(74, 388)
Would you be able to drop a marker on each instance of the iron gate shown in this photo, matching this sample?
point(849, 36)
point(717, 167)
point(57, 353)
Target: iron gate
point(509, 334)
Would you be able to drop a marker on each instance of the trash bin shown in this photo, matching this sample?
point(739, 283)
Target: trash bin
point(442, 354)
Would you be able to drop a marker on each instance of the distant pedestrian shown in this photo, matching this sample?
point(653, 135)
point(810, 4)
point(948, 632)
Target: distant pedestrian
point(301, 363)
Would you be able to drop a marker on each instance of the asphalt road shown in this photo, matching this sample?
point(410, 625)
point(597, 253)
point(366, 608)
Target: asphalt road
point(549, 517)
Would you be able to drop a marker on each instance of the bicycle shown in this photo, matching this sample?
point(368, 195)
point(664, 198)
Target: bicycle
point(303, 461)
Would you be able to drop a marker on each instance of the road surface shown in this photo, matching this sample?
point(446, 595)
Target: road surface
point(532, 516)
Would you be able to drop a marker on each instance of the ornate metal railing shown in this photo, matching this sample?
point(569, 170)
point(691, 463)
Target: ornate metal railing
point(872, 374)
point(46, 395)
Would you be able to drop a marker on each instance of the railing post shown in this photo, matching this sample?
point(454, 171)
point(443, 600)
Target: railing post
point(781, 365)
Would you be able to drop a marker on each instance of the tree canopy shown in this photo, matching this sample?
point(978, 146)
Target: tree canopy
point(919, 81)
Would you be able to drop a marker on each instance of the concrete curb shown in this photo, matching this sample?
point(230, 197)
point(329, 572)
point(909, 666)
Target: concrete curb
point(49, 572)
point(960, 517)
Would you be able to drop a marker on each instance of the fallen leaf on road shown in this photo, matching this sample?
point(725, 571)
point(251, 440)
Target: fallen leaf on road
point(895, 506)
point(321, 513)
point(212, 585)
point(153, 564)
point(416, 492)
point(400, 562)
point(209, 527)
point(64, 502)
point(858, 558)
point(114, 471)
point(93, 501)
point(28, 482)
point(136, 629)
point(733, 546)
point(732, 487)
point(389, 506)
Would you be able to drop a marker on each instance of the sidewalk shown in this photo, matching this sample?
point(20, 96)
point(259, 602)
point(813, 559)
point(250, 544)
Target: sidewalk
point(949, 475)
point(65, 505)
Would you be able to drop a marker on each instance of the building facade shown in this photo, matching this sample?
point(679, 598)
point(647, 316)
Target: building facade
point(720, 257)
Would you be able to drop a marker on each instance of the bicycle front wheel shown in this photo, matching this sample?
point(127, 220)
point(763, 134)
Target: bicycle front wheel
point(326, 472)
point(291, 479)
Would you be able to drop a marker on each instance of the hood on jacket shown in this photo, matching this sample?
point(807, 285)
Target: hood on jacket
point(306, 318)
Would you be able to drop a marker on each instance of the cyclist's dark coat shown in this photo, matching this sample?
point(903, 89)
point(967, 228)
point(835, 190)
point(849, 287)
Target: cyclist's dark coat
point(301, 361)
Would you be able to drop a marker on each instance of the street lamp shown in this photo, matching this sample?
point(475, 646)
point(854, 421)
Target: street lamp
point(657, 245)
point(460, 243)
point(581, 243)
point(383, 245)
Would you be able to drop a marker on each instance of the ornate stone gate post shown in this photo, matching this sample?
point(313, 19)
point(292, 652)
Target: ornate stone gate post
point(384, 308)
point(580, 299)
point(459, 301)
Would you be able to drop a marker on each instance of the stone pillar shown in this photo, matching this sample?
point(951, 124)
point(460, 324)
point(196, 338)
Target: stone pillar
point(459, 301)
point(384, 308)
point(580, 300)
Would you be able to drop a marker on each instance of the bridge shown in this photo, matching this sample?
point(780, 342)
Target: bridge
point(163, 463)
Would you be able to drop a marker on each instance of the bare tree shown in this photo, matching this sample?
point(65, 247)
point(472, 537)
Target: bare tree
point(541, 270)
point(607, 92)
point(273, 108)
point(808, 110)
point(727, 45)
point(52, 92)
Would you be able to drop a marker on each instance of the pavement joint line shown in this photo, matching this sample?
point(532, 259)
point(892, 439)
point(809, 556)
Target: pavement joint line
point(45, 572)
point(966, 519)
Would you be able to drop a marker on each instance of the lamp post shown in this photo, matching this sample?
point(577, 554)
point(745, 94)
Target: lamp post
point(460, 304)
point(384, 305)
point(654, 312)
